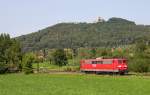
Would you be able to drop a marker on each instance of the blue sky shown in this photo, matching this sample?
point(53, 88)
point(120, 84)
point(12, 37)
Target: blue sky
point(18, 17)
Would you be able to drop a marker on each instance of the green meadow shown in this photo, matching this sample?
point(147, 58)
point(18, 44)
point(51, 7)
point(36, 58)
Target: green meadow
point(73, 84)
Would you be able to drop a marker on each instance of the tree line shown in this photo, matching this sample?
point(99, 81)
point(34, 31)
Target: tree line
point(12, 59)
point(10, 54)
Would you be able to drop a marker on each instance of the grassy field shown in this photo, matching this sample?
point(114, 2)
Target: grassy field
point(68, 84)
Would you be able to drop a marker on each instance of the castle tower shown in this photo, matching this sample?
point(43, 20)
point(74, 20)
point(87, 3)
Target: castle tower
point(100, 19)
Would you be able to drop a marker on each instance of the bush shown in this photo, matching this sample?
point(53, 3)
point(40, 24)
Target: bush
point(28, 59)
point(3, 68)
point(59, 57)
point(67, 68)
point(71, 68)
point(139, 65)
point(142, 66)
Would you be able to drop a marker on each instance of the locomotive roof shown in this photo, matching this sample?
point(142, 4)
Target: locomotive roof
point(105, 59)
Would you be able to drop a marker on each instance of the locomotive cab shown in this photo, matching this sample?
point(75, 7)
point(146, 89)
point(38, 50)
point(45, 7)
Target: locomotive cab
point(122, 66)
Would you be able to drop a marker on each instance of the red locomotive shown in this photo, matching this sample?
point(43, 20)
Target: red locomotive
point(99, 65)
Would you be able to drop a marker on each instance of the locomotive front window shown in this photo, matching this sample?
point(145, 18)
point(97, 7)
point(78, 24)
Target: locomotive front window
point(119, 61)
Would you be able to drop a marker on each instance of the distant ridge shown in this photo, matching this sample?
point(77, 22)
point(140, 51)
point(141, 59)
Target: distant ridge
point(112, 33)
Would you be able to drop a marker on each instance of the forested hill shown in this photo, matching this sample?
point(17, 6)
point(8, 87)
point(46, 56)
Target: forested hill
point(111, 33)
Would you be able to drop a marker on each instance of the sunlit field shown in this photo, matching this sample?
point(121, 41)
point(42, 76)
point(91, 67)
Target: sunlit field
point(76, 84)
